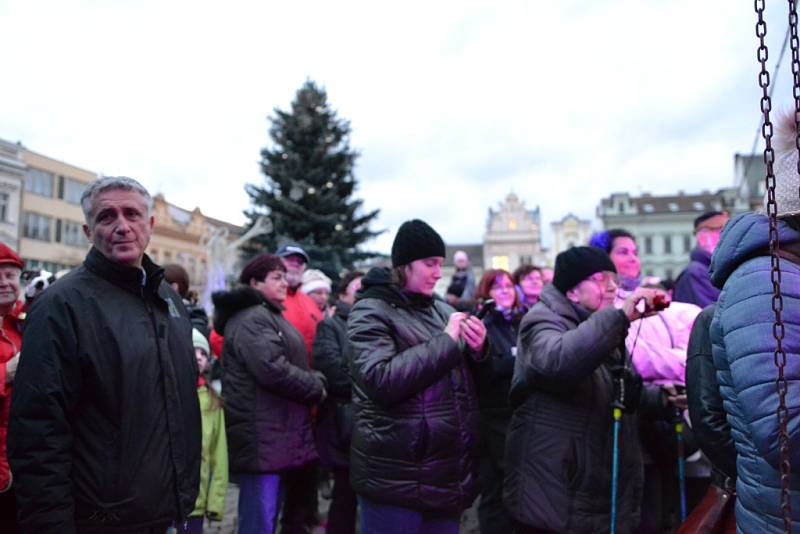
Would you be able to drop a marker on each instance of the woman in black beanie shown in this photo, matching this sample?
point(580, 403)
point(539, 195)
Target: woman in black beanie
point(559, 444)
point(413, 454)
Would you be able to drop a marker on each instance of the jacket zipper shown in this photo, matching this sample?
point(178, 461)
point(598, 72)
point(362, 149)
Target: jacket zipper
point(149, 308)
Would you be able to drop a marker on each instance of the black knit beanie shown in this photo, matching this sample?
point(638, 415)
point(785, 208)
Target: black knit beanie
point(416, 240)
point(579, 263)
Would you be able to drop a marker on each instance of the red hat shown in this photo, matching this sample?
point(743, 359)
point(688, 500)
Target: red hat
point(9, 257)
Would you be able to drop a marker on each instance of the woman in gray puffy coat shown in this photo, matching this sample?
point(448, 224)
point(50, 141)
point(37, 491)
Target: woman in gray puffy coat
point(413, 455)
point(559, 442)
point(268, 390)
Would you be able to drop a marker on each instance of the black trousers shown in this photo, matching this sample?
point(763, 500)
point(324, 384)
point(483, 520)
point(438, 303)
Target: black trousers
point(8, 513)
point(344, 504)
point(300, 505)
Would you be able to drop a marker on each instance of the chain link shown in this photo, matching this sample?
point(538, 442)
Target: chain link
point(778, 329)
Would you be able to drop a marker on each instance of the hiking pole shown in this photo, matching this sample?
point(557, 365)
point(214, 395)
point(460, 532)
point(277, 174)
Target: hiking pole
point(617, 412)
point(681, 462)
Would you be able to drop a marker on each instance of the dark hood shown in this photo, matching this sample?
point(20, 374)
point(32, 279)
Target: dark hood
point(377, 284)
point(744, 237)
point(229, 303)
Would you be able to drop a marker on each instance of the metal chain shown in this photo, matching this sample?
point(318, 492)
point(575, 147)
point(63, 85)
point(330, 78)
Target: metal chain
point(778, 329)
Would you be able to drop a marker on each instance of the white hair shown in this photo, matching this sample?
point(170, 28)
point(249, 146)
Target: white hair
point(108, 183)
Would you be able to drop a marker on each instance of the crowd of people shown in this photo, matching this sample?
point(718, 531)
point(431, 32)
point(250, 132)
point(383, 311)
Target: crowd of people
point(586, 398)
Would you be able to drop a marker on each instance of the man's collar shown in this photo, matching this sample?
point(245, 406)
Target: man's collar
point(147, 277)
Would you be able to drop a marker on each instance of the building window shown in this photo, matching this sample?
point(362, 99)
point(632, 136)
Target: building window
point(673, 206)
point(512, 224)
point(648, 208)
point(36, 226)
point(669, 274)
point(526, 260)
point(667, 244)
point(500, 262)
point(687, 243)
point(39, 182)
point(4, 207)
point(648, 245)
point(72, 234)
point(73, 189)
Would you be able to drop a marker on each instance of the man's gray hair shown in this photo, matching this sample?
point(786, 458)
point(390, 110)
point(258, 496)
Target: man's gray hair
point(108, 183)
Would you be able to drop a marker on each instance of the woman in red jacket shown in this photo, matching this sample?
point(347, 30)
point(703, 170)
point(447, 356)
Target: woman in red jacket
point(10, 344)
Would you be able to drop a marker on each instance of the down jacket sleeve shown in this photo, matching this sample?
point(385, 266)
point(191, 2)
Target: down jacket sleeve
point(743, 323)
point(549, 352)
point(384, 373)
point(709, 421)
point(46, 391)
point(261, 348)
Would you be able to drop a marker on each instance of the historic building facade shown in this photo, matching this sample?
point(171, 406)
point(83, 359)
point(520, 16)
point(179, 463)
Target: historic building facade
point(570, 231)
point(51, 222)
point(513, 236)
point(12, 178)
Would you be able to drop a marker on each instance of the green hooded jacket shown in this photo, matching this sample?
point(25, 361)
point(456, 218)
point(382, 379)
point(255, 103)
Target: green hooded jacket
point(214, 462)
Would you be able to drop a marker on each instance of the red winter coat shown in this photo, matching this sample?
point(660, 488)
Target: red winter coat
point(303, 314)
point(10, 344)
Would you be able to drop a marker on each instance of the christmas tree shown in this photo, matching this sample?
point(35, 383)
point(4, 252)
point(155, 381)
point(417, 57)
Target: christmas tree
point(309, 186)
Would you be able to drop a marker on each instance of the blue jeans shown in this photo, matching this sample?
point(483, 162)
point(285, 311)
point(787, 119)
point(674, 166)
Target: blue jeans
point(259, 497)
point(385, 519)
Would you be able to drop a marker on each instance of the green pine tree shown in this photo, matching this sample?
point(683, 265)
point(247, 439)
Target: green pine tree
point(309, 185)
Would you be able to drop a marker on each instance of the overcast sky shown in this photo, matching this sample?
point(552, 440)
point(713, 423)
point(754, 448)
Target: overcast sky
point(452, 104)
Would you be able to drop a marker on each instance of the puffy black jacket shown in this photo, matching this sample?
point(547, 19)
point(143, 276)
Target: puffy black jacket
point(105, 422)
point(709, 421)
point(332, 353)
point(559, 443)
point(267, 385)
point(416, 413)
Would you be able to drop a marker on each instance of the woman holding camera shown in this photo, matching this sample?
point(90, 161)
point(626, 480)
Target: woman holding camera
point(501, 316)
point(560, 440)
point(413, 454)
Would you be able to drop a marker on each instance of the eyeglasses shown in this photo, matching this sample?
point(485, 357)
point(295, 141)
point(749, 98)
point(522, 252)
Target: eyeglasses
point(603, 278)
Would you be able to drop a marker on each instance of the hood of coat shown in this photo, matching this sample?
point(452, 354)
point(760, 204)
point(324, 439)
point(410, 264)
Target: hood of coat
point(229, 303)
point(744, 237)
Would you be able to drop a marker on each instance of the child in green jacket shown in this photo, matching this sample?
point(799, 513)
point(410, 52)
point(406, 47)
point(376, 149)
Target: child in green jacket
point(214, 464)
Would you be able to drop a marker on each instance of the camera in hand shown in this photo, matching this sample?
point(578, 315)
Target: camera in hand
point(488, 306)
point(660, 303)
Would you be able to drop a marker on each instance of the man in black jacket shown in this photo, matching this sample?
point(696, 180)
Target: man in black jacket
point(105, 423)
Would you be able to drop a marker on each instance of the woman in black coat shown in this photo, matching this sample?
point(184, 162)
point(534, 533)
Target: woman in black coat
point(268, 389)
point(413, 455)
point(332, 353)
point(493, 381)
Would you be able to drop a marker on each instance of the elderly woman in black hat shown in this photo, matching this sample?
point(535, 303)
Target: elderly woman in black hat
point(570, 354)
point(413, 455)
point(268, 389)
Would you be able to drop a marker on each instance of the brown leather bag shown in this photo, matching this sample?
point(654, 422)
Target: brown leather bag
point(715, 514)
